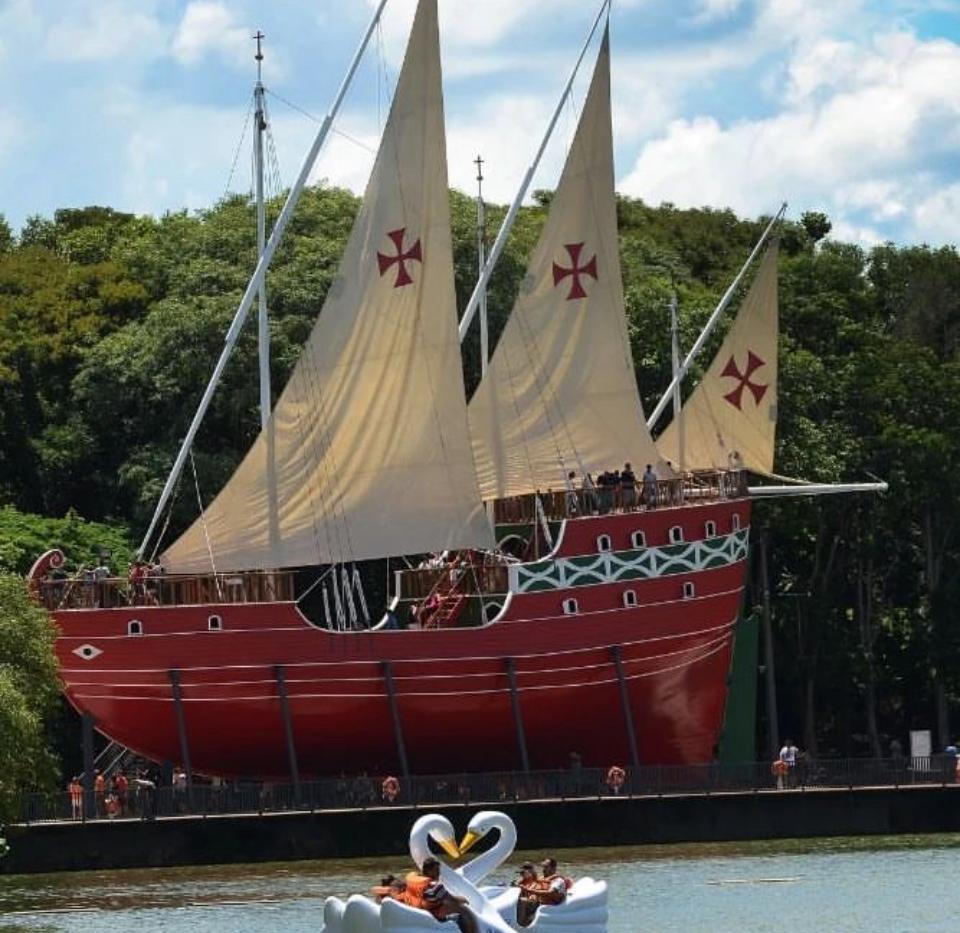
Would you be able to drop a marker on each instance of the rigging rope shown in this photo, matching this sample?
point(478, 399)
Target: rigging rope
point(236, 155)
point(166, 524)
point(203, 521)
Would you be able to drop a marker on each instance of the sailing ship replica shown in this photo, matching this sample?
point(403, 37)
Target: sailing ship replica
point(581, 619)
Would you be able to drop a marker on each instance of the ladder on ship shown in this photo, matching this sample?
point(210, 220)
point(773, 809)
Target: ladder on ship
point(444, 604)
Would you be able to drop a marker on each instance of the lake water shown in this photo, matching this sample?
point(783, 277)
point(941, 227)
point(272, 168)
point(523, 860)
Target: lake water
point(903, 884)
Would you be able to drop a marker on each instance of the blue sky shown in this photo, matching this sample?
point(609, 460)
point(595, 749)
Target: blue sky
point(846, 106)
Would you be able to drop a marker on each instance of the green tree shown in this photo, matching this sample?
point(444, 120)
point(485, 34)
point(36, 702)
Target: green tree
point(817, 225)
point(29, 688)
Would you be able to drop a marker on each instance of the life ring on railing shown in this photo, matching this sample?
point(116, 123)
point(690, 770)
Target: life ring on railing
point(779, 768)
point(615, 778)
point(390, 789)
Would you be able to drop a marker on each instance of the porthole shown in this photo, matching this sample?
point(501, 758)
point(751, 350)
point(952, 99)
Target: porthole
point(676, 535)
point(689, 590)
point(604, 543)
point(215, 624)
point(639, 539)
point(570, 607)
point(629, 598)
point(135, 627)
point(710, 529)
point(736, 522)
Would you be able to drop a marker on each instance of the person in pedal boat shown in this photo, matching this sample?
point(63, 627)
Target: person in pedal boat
point(528, 901)
point(425, 891)
point(553, 887)
point(390, 887)
point(547, 889)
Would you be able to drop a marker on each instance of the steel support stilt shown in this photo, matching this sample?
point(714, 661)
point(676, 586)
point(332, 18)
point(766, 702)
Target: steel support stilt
point(617, 651)
point(181, 727)
point(395, 716)
point(517, 714)
point(288, 729)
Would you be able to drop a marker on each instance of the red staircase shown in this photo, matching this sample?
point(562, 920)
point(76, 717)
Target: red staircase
point(448, 596)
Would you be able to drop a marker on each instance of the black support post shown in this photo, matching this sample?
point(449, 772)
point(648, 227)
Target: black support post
point(181, 727)
point(395, 716)
point(517, 714)
point(617, 651)
point(288, 729)
point(89, 800)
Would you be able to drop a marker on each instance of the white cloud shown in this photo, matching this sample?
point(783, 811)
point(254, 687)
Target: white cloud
point(104, 31)
point(860, 126)
point(937, 217)
point(208, 28)
point(472, 25)
point(709, 11)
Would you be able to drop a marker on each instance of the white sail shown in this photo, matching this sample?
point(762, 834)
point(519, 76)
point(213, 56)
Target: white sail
point(560, 393)
point(730, 420)
point(371, 453)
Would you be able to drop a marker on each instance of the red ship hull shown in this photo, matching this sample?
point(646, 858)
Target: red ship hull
point(462, 696)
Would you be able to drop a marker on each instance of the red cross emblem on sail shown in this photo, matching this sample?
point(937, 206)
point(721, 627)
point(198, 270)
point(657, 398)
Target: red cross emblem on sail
point(757, 390)
point(400, 259)
point(575, 271)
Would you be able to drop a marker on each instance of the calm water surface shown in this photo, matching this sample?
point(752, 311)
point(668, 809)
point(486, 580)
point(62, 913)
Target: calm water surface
point(906, 884)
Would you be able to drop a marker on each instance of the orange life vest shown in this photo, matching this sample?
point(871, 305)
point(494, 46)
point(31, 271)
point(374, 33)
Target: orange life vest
point(542, 885)
point(417, 885)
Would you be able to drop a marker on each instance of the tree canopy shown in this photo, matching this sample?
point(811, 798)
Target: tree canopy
point(29, 689)
point(110, 323)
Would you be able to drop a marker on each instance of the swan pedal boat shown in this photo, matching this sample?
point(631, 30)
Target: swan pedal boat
point(494, 906)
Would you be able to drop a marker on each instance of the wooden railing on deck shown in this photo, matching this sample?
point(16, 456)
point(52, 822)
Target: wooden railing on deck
point(693, 489)
point(167, 590)
point(476, 578)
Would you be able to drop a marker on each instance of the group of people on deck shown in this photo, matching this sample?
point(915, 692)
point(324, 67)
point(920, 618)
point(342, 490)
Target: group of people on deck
point(424, 890)
point(613, 490)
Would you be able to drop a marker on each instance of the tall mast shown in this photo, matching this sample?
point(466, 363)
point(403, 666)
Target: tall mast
point(677, 409)
point(263, 327)
point(481, 262)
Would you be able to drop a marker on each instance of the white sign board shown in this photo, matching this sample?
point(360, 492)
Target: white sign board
point(920, 744)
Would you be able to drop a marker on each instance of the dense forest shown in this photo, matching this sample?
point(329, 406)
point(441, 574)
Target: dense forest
point(110, 323)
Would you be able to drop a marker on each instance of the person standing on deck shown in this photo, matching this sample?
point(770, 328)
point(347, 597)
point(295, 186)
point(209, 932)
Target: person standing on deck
point(628, 487)
point(650, 487)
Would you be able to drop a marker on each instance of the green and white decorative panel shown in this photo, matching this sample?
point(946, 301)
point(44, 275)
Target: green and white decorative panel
point(641, 564)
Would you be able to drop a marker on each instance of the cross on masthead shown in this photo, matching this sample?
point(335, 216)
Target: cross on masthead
point(259, 56)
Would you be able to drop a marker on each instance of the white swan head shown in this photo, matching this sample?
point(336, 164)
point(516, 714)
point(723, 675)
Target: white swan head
point(486, 821)
point(436, 827)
